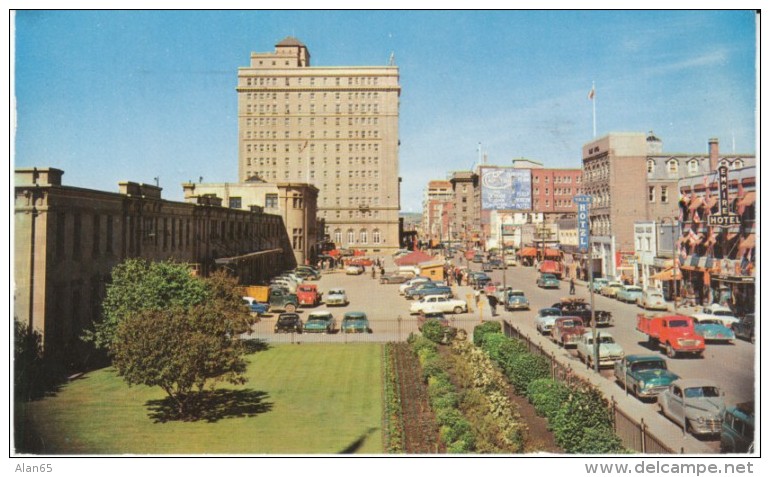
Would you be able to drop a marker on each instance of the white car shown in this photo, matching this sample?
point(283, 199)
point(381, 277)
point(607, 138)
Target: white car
point(289, 284)
point(336, 297)
point(545, 319)
point(720, 312)
point(609, 350)
point(438, 303)
point(652, 299)
point(414, 281)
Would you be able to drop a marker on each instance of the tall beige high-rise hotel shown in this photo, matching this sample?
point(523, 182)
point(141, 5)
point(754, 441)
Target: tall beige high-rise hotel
point(333, 127)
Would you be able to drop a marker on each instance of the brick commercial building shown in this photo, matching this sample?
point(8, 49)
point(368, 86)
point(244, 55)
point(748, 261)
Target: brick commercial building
point(68, 239)
point(333, 127)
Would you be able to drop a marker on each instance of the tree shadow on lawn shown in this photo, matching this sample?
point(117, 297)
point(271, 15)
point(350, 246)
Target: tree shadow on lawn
point(211, 406)
point(356, 444)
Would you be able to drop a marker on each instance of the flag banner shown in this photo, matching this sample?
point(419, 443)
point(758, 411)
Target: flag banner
point(592, 93)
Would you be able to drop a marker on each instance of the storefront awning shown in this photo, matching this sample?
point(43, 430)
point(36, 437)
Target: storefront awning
point(667, 275)
point(528, 252)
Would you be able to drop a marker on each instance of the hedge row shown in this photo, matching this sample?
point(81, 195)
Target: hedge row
point(454, 429)
point(394, 422)
point(578, 415)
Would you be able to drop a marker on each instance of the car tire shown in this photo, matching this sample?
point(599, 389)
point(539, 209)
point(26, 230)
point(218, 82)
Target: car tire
point(458, 310)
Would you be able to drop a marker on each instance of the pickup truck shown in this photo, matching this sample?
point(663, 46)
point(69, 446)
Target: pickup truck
point(644, 375)
point(282, 299)
point(674, 333)
point(567, 330)
point(308, 295)
point(579, 307)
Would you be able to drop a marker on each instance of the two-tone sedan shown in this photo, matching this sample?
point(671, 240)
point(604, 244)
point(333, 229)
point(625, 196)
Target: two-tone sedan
point(516, 300)
point(713, 330)
point(629, 293)
point(438, 303)
point(320, 322)
point(644, 375)
point(545, 319)
point(355, 322)
point(611, 289)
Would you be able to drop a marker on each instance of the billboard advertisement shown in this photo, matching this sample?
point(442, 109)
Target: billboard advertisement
point(506, 189)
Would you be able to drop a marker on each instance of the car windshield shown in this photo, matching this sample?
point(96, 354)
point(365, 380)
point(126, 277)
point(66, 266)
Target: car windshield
point(336, 292)
point(568, 324)
point(678, 324)
point(655, 295)
point(517, 293)
point(550, 312)
point(709, 322)
point(701, 391)
point(606, 340)
point(319, 318)
point(287, 319)
point(645, 365)
point(722, 313)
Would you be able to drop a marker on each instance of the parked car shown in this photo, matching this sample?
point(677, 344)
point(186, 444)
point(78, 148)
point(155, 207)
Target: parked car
point(355, 322)
point(286, 283)
point(545, 319)
point(486, 267)
point(547, 280)
point(567, 330)
point(410, 292)
point(697, 405)
point(288, 323)
point(720, 312)
point(599, 283)
point(652, 299)
point(712, 329)
point(611, 288)
point(574, 306)
point(496, 263)
point(516, 300)
point(393, 278)
point(737, 435)
point(336, 297)
point(308, 295)
point(609, 350)
point(307, 273)
point(441, 290)
point(629, 293)
point(644, 375)
point(438, 303)
point(320, 321)
point(412, 282)
point(510, 261)
point(422, 318)
point(255, 306)
point(481, 280)
point(354, 270)
point(744, 329)
point(282, 299)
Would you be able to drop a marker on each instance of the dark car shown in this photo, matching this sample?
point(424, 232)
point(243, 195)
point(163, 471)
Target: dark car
point(481, 280)
point(745, 327)
point(496, 263)
point(355, 322)
point(437, 290)
point(486, 267)
point(288, 323)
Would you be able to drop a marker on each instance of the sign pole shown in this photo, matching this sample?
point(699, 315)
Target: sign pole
point(584, 235)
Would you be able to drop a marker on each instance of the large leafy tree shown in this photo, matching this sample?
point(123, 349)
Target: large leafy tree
point(139, 285)
point(172, 330)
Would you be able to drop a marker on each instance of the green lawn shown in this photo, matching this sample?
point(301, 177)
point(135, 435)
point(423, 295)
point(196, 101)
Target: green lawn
point(299, 399)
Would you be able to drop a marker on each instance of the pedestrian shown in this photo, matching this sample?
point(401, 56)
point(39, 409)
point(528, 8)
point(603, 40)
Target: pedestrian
point(571, 286)
point(374, 271)
point(492, 299)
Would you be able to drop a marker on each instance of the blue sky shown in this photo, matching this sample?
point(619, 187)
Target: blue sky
point(134, 95)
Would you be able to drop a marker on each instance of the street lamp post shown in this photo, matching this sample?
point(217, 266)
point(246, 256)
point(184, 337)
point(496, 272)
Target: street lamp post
point(675, 276)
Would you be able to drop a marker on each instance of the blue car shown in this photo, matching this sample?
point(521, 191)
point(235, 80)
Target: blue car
point(629, 294)
point(254, 306)
point(712, 329)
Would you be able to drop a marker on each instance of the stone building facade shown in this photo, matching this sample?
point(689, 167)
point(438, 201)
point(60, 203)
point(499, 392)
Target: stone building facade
point(67, 240)
point(333, 127)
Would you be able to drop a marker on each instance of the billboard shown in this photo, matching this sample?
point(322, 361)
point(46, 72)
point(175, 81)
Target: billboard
point(506, 189)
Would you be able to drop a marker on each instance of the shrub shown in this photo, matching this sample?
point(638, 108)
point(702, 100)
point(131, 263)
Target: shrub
point(500, 348)
point(600, 440)
point(525, 368)
point(433, 330)
point(479, 331)
point(585, 408)
point(547, 396)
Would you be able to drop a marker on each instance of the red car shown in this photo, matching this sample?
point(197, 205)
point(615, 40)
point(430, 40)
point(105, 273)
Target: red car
point(567, 330)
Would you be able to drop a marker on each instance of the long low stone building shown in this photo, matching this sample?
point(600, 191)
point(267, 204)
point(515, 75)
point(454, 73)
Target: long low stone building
point(68, 239)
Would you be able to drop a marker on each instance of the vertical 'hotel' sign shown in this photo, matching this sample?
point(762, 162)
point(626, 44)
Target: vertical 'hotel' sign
point(584, 227)
point(723, 218)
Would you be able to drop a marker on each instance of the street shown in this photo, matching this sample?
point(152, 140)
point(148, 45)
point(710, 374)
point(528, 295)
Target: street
point(731, 367)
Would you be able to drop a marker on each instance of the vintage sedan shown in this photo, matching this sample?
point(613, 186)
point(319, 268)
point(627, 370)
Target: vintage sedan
point(516, 300)
point(394, 278)
point(336, 297)
point(611, 288)
point(254, 306)
point(713, 330)
point(438, 303)
point(652, 299)
point(697, 405)
point(567, 330)
point(355, 322)
point(547, 280)
point(545, 319)
point(320, 322)
point(629, 293)
point(412, 282)
point(598, 284)
point(744, 329)
point(720, 312)
point(609, 351)
point(288, 323)
point(644, 375)
point(354, 270)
